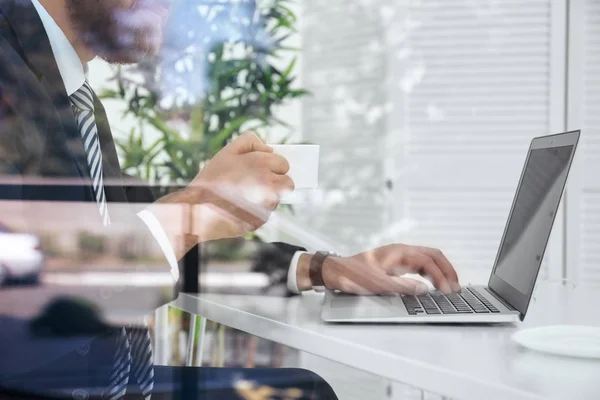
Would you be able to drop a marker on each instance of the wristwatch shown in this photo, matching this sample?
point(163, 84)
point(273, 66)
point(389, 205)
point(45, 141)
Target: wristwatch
point(315, 270)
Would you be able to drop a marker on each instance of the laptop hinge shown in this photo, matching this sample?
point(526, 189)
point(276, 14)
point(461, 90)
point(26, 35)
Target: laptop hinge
point(500, 299)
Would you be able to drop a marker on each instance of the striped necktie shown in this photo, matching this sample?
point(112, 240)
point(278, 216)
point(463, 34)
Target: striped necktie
point(134, 347)
point(132, 359)
point(83, 106)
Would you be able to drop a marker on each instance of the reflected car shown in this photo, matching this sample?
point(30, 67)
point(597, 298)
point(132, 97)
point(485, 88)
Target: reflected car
point(21, 257)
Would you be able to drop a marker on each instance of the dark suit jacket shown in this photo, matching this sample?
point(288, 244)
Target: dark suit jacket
point(39, 137)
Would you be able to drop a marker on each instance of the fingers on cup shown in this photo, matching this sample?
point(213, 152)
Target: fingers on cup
point(278, 164)
point(284, 184)
point(250, 142)
point(271, 205)
point(268, 162)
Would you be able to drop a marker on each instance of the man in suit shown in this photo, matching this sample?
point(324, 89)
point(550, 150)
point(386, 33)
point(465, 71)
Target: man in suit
point(53, 127)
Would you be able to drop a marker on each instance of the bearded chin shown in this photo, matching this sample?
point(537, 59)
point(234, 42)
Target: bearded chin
point(123, 46)
point(126, 52)
point(116, 36)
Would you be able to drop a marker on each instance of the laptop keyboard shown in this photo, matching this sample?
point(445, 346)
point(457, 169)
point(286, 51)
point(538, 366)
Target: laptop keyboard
point(469, 301)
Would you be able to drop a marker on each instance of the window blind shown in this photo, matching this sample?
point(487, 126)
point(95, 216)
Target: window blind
point(471, 88)
point(584, 191)
point(344, 69)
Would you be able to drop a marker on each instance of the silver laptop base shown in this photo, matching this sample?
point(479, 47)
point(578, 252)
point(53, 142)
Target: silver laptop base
point(391, 309)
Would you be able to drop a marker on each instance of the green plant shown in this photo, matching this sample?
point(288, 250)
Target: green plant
point(128, 248)
point(234, 82)
point(49, 244)
point(235, 249)
point(90, 245)
point(239, 89)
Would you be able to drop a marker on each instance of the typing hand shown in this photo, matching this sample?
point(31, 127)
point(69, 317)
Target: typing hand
point(380, 271)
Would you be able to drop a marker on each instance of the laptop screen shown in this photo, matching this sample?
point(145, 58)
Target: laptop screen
point(530, 222)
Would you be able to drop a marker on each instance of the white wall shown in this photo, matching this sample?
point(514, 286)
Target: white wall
point(583, 195)
point(344, 68)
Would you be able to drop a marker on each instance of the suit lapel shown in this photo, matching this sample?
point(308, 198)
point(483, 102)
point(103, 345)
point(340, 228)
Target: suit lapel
point(70, 131)
point(32, 37)
point(35, 45)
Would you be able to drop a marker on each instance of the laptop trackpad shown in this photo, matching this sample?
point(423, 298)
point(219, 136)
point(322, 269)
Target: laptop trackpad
point(348, 306)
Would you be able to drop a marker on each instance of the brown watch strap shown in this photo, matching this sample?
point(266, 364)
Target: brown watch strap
point(315, 271)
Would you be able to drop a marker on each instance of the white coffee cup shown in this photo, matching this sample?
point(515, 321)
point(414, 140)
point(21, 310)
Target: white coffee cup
point(304, 165)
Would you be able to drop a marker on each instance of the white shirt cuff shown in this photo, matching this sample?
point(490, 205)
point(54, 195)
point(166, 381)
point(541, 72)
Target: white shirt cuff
point(163, 241)
point(291, 279)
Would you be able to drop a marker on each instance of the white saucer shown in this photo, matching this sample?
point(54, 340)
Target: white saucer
point(563, 340)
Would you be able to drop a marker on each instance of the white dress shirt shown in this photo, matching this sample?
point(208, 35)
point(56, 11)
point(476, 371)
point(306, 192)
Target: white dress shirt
point(73, 75)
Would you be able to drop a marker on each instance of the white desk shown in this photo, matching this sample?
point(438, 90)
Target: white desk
point(462, 362)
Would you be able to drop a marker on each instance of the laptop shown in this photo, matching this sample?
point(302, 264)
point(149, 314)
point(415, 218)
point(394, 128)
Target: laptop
point(512, 279)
